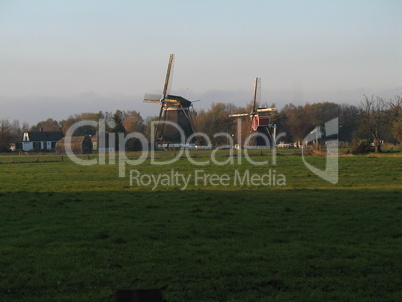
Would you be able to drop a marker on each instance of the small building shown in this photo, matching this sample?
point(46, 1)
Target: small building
point(94, 140)
point(38, 140)
point(102, 142)
point(79, 145)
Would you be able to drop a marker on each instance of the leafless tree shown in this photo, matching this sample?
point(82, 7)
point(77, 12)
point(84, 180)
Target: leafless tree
point(133, 122)
point(397, 129)
point(395, 108)
point(216, 120)
point(7, 134)
point(375, 118)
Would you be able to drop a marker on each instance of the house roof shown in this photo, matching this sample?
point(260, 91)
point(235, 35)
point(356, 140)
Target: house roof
point(45, 136)
point(75, 140)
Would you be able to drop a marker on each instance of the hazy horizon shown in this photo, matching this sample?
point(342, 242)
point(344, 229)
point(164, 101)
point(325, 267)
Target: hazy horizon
point(67, 57)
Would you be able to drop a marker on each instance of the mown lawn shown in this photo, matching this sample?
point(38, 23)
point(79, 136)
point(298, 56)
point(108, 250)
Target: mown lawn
point(79, 233)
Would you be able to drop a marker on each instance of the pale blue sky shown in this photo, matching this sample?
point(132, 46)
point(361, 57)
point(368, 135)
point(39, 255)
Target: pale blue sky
point(63, 57)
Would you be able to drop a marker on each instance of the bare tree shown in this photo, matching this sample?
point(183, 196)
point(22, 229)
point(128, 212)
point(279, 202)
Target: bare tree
point(7, 135)
point(395, 108)
point(133, 122)
point(397, 129)
point(296, 121)
point(374, 118)
point(396, 117)
point(48, 125)
point(51, 125)
point(81, 131)
point(216, 120)
point(25, 127)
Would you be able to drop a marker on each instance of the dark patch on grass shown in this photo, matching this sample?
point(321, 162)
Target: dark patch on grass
point(114, 265)
point(279, 240)
point(120, 240)
point(275, 284)
point(102, 235)
point(152, 206)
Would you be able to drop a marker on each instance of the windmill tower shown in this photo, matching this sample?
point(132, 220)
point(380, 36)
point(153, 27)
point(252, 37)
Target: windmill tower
point(261, 120)
point(175, 109)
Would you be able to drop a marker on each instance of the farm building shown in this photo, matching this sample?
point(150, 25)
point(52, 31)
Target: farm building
point(79, 145)
point(38, 140)
point(102, 143)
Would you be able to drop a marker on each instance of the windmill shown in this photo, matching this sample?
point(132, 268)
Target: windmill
point(261, 119)
point(175, 109)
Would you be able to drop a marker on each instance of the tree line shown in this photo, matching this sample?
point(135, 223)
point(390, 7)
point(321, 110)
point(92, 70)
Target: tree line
point(375, 119)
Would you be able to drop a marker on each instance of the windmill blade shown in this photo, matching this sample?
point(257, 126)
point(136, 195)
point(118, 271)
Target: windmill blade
point(239, 114)
point(172, 101)
point(169, 76)
point(251, 125)
point(262, 110)
point(158, 124)
point(257, 94)
point(152, 98)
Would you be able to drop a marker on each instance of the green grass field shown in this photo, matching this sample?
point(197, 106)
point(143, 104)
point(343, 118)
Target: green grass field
point(79, 233)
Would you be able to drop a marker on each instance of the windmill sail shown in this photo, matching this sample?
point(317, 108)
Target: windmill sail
point(169, 76)
point(152, 98)
point(239, 114)
point(257, 94)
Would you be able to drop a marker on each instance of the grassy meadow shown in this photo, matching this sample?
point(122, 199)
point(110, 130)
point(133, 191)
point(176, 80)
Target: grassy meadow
point(78, 233)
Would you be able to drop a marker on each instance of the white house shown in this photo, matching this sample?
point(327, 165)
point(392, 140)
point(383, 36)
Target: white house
point(39, 140)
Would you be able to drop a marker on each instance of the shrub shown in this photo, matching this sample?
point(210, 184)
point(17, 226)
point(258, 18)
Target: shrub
point(361, 146)
point(314, 149)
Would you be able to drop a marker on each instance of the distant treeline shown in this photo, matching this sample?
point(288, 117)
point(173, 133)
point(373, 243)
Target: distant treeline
point(375, 119)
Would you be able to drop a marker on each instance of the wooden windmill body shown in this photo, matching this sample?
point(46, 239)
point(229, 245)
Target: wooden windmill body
point(261, 121)
point(173, 109)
